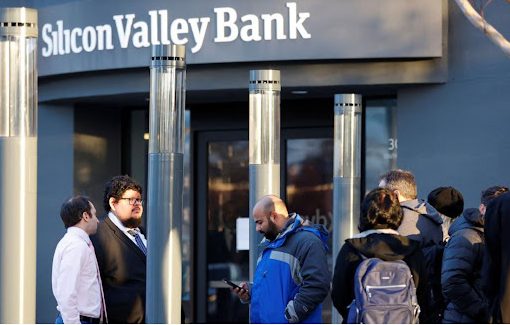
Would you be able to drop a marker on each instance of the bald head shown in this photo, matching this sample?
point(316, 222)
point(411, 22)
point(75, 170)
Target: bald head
point(270, 215)
point(271, 203)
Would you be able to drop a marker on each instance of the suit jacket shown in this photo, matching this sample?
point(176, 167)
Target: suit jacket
point(123, 272)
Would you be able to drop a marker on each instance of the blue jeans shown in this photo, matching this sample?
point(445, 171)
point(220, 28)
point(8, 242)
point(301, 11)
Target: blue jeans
point(59, 320)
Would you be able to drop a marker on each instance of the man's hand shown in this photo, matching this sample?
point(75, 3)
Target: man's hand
point(243, 293)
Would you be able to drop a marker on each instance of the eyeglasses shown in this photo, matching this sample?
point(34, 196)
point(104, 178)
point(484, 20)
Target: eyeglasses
point(132, 200)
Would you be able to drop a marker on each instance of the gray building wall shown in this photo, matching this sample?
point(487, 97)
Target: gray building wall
point(97, 151)
point(457, 133)
point(55, 183)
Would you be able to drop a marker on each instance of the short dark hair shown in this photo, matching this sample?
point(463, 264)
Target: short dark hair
point(116, 187)
point(402, 181)
point(491, 193)
point(380, 209)
point(72, 210)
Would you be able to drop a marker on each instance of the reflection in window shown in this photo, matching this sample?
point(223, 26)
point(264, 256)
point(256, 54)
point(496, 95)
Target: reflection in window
point(309, 178)
point(310, 188)
point(228, 199)
point(186, 220)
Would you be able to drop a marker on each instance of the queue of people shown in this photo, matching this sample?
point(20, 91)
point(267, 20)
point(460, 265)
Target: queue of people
point(412, 261)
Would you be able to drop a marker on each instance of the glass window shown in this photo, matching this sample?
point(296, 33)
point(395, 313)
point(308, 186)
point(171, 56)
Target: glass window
point(228, 199)
point(186, 222)
point(310, 188)
point(381, 140)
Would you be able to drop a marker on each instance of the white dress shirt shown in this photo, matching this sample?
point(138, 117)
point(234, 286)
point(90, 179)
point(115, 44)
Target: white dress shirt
point(74, 277)
point(119, 225)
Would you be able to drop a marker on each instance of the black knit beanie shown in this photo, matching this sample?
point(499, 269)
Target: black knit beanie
point(447, 200)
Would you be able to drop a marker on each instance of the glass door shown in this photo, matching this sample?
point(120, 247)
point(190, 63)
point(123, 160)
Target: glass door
point(225, 192)
point(308, 180)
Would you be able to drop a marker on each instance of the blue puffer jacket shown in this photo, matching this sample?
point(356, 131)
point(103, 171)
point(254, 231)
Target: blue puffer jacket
point(292, 276)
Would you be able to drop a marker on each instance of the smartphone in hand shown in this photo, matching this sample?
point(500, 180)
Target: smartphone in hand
point(232, 284)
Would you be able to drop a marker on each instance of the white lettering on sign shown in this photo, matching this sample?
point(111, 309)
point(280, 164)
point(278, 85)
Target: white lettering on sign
point(393, 144)
point(296, 25)
point(124, 31)
point(64, 41)
point(157, 29)
point(198, 28)
point(226, 19)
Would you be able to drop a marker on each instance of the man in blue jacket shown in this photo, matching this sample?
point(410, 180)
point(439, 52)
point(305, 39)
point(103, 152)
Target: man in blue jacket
point(292, 276)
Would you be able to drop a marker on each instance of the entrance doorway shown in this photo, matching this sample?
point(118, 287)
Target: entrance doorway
point(221, 172)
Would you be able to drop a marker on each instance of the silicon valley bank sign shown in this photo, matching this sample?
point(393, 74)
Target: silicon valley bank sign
point(76, 36)
point(132, 31)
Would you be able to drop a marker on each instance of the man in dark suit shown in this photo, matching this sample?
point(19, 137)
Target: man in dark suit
point(121, 249)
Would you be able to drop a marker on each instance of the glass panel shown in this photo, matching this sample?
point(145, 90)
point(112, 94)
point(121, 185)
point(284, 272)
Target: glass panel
point(310, 188)
point(228, 199)
point(381, 141)
point(186, 222)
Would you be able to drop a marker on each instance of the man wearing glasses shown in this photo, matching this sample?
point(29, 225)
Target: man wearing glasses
point(121, 249)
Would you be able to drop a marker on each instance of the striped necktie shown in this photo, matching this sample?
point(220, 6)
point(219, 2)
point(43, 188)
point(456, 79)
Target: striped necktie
point(138, 240)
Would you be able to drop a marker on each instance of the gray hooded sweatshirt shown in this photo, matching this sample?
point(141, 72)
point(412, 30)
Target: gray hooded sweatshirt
point(421, 222)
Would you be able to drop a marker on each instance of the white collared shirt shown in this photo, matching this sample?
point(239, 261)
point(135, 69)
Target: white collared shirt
point(119, 225)
point(74, 277)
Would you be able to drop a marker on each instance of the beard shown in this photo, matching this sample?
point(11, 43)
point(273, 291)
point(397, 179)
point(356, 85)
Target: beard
point(272, 231)
point(132, 222)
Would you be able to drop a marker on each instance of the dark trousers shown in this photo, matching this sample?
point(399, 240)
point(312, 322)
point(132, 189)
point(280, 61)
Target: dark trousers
point(59, 320)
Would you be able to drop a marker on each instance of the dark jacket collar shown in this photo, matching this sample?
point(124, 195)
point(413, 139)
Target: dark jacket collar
point(388, 247)
point(470, 218)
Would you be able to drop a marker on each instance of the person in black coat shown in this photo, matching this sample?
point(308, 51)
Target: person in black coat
point(496, 276)
point(449, 202)
point(462, 264)
point(380, 216)
point(119, 244)
point(460, 275)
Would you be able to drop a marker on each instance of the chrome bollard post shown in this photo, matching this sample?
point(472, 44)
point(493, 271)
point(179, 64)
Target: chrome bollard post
point(264, 160)
point(346, 172)
point(18, 164)
point(165, 183)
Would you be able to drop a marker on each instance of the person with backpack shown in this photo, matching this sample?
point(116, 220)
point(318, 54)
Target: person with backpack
point(380, 276)
point(462, 264)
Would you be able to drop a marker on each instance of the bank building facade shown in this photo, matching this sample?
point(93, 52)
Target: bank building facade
point(434, 91)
